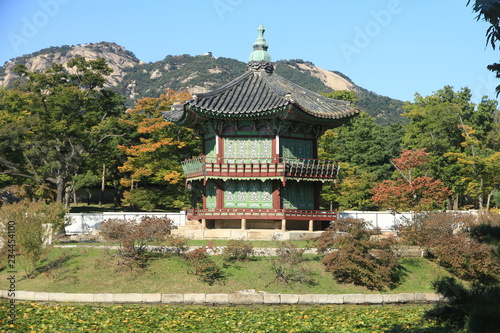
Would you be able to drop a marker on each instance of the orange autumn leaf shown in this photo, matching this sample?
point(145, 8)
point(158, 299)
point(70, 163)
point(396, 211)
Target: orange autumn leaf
point(151, 151)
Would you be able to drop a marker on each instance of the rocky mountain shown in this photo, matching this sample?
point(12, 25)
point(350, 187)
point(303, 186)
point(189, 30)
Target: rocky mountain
point(136, 79)
point(115, 55)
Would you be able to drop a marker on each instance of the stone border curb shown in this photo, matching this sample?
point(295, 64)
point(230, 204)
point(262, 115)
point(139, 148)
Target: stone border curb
point(226, 299)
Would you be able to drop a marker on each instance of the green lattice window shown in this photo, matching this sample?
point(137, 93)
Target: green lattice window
point(211, 190)
point(248, 194)
point(298, 195)
point(296, 148)
point(255, 150)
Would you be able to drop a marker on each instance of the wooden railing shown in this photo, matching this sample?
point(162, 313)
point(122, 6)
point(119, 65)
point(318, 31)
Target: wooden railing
point(260, 167)
point(261, 214)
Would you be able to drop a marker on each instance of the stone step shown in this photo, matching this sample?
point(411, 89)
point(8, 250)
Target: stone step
point(189, 227)
point(192, 222)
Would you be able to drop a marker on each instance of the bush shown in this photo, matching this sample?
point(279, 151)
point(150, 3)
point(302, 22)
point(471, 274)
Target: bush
point(134, 236)
point(29, 217)
point(179, 243)
point(454, 240)
point(467, 259)
point(488, 231)
point(352, 257)
point(427, 229)
point(203, 266)
point(288, 264)
point(237, 250)
point(474, 309)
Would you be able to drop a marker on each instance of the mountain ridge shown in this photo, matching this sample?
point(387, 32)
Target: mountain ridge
point(201, 73)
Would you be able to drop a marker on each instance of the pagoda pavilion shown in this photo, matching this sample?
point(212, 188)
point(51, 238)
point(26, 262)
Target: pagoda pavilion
point(259, 168)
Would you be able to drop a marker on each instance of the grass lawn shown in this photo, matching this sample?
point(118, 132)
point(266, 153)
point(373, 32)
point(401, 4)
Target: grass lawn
point(90, 270)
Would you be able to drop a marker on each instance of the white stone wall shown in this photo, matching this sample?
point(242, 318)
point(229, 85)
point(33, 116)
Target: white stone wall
point(383, 220)
point(83, 223)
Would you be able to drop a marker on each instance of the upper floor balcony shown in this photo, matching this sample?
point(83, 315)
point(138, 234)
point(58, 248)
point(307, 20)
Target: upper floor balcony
point(280, 167)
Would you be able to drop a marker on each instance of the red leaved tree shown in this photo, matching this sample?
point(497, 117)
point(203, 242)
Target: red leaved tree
point(411, 190)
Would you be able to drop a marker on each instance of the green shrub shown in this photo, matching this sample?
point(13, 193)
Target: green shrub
point(237, 250)
point(204, 267)
point(474, 309)
point(179, 243)
point(288, 264)
point(352, 257)
point(28, 218)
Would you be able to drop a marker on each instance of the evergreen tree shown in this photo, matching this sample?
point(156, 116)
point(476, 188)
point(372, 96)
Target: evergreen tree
point(52, 122)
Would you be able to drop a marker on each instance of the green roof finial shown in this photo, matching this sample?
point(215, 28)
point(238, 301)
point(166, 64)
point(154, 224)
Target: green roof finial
point(260, 48)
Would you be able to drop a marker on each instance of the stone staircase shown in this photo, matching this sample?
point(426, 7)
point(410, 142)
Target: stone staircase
point(190, 225)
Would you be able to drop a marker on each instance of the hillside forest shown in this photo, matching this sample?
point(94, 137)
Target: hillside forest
point(63, 132)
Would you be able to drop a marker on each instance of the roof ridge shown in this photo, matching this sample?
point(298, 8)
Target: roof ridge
point(225, 87)
point(281, 93)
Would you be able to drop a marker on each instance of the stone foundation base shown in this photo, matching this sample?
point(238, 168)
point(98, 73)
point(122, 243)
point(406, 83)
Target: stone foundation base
point(253, 234)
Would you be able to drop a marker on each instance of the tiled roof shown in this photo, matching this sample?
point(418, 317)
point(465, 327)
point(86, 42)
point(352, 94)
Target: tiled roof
point(260, 93)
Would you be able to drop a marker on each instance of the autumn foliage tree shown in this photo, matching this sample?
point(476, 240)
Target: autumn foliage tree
point(478, 167)
point(152, 171)
point(412, 190)
point(453, 129)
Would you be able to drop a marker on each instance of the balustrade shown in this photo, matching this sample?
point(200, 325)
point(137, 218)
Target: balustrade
point(261, 214)
point(265, 167)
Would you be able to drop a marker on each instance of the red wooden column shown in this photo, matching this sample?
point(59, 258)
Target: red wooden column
point(219, 194)
point(219, 144)
point(276, 194)
point(317, 184)
point(275, 154)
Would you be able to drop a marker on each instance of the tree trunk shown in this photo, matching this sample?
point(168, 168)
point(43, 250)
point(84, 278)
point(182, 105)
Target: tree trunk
point(103, 184)
point(488, 200)
point(67, 196)
point(117, 199)
point(449, 203)
point(456, 202)
point(60, 189)
point(481, 195)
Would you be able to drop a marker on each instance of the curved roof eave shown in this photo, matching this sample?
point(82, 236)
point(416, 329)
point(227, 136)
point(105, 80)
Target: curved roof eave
point(258, 95)
point(313, 103)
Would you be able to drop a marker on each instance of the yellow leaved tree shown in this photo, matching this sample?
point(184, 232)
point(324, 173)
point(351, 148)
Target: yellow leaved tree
point(153, 173)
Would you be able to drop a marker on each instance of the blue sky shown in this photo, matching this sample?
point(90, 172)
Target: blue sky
point(392, 47)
